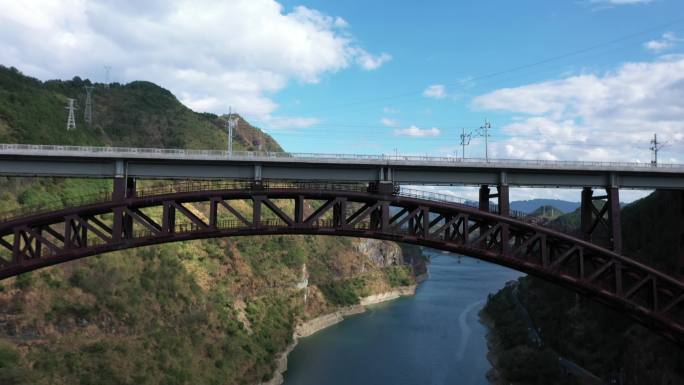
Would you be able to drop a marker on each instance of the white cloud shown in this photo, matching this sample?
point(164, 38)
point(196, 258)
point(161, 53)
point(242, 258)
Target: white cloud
point(389, 122)
point(608, 116)
point(279, 122)
point(668, 40)
point(369, 62)
point(211, 54)
point(390, 110)
point(436, 91)
point(418, 132)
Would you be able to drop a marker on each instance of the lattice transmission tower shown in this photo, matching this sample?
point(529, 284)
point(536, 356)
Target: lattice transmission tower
point(88, 111)
point(231, 124)
point(107, 69)
point(71, 120)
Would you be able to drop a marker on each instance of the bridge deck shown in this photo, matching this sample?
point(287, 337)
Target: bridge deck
point(107, 162)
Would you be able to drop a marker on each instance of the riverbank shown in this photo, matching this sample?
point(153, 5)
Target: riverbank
point(493, 350)
point(324, 321)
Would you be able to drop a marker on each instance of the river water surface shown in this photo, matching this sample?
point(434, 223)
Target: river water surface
point(434, 337)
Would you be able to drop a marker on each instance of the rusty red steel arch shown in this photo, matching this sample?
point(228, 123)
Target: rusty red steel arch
point(645, 294)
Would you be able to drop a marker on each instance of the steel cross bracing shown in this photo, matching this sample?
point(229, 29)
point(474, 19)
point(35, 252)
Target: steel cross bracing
point(131, 220)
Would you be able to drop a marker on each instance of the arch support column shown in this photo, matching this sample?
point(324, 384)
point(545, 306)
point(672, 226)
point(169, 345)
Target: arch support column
point(606, 216)
point(122, 225)
point(503, 199)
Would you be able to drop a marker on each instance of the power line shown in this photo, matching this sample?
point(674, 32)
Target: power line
point(520, 67)
point(471, 131)
point(323, 139)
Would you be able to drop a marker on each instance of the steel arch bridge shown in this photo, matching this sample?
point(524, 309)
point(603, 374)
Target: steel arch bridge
point(135, 219)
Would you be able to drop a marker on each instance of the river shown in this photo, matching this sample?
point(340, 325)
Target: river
point(434, 337)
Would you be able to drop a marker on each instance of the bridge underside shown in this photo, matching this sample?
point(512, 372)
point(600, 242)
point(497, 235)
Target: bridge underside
point(133, 219)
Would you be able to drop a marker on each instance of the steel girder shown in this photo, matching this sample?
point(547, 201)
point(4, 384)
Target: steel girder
point(649, 296)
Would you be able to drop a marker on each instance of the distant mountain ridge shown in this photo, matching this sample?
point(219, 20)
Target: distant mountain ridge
point(547, 212)
point(529, 206)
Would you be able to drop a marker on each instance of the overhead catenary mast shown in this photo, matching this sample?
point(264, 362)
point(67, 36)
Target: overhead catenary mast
point(88, 110)
point(465, 140)
point(484, 131)
point(655, 147)
point(71, 120)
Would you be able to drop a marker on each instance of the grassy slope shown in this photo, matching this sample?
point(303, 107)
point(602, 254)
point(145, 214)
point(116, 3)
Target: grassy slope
point(212, 312)
point(599, 339)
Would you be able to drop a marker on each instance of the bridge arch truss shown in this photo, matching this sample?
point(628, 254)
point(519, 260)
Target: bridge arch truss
point(647, 295)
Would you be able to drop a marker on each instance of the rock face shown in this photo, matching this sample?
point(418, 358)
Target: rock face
point(380, 253)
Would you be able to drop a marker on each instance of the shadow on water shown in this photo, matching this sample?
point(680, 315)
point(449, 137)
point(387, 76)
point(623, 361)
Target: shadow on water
point(434, 337)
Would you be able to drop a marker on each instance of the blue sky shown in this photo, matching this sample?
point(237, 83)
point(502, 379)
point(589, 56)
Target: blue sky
point(558, 80)
point(451, 43)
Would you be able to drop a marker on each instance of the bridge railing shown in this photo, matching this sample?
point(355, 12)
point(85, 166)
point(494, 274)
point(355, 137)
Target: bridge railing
point(223, 155)
point(193, 186)
point(439, 197)
point(56, 204)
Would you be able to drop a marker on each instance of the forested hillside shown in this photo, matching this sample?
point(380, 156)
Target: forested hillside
point(135, 114)
point(201, 312)
point(605, 342)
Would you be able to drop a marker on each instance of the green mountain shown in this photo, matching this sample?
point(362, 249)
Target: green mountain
point(215, 311)
point(593, 336)
point(531, 205)
point(139, 114)
point(547, 212)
